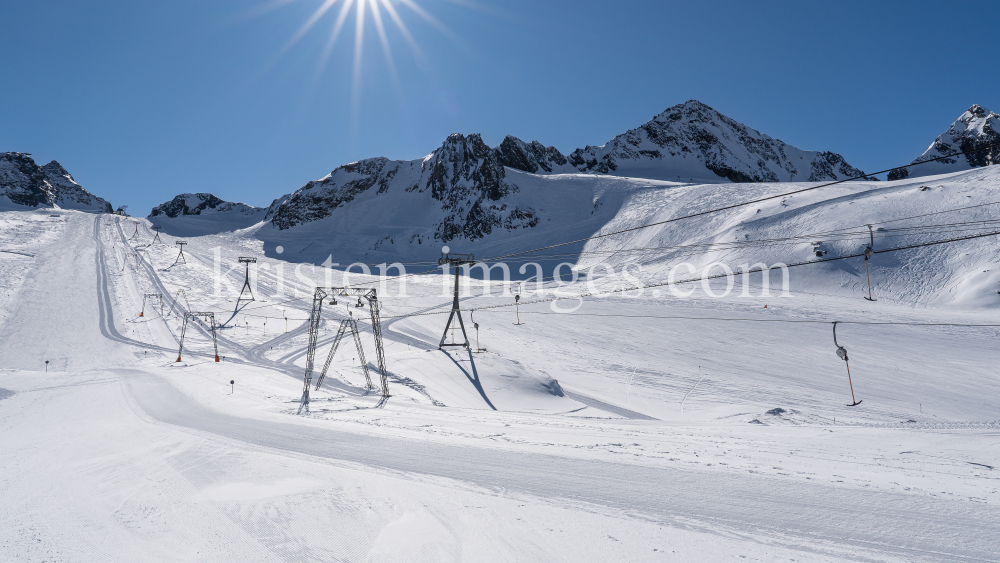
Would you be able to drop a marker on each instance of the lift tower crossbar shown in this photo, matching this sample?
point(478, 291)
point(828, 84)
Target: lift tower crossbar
point(210, 317)
point(246, 281)
point(457, 261)
point(315, 319)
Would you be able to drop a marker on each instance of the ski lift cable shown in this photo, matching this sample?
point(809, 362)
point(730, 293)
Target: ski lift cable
point(745, 243)
point(762, 241)
point(722, 209)
point(745, 203)
point(724, 275)
point(787, 241)
point(753, 320)
point(871, 235)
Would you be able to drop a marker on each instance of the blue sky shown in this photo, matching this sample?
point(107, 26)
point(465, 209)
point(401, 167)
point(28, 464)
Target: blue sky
point(143, 100)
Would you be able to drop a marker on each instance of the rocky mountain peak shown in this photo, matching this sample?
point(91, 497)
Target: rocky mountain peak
point(978, 111)
point(55, 169)
point(464, 179)
point(974, 130)
point(531, 157)
point(686, 142)
point(25, 183)
point(196, 204)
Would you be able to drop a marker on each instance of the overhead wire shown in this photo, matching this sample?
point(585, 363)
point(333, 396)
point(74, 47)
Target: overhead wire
point(739, 319)
point(722, 275)
point(745, 203)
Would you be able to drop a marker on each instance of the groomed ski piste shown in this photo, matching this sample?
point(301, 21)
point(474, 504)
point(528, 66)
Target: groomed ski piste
point(622, 426)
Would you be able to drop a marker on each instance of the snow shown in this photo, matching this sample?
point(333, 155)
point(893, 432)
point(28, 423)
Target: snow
point(638, 428)
point(977, 128)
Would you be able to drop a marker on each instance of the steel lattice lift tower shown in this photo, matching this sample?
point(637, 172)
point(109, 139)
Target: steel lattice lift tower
point(455, 260)
point(150, 297)
point(135, 235)
point(211, 320)
point(352, 326)
point(246, 280)
point(180, 256)
point(315, 319)
point(156, 238)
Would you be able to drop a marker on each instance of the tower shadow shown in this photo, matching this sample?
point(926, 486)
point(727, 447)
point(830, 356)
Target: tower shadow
point(474, 378)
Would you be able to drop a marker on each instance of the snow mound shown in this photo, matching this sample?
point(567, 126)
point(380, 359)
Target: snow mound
point(484, 381)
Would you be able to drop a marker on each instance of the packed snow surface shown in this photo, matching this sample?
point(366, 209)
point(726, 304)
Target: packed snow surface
point(626, 425)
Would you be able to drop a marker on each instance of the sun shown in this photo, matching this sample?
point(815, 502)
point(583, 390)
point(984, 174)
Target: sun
point(377, 10)
point(343, 14)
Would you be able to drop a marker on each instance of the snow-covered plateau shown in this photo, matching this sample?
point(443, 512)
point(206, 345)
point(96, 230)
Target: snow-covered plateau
point(671, 423)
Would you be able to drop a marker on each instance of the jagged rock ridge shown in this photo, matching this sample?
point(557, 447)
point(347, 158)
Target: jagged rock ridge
point(687, 142)
point(975, 129)
point(25, 183)
point(532, 157)
point(195, 204)
point(462, 190)
point(464, 181)
point(690, 139)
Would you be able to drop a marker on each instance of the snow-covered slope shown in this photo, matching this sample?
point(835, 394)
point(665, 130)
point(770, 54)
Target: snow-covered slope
point(458, 192)
point(487, 197)
point(381, 210)
point(692, 141)
point(392, 226)
point(743, 447)
point(976, 128)
point(817, 225)
point(24, 183)
point(202, 213)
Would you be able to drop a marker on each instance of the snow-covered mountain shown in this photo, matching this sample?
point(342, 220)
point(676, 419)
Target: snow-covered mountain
point(203, 213)
point(687, 142)
point(458, 191)
point(532, 157)
point(693, 141)
point(976, 128)
point(22, 182)
point(196, 204)
point(469, 191)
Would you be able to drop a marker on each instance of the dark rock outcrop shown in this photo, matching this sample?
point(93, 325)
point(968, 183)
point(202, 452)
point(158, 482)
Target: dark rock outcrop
point(975, 130)
point(25, 183)
point(196, 204)
point(690, 139)
point(464, 180)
